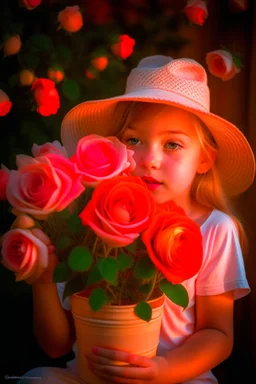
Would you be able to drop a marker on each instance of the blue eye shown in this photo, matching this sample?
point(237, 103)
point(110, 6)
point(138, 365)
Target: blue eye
point(132, 141)
point(172, 145)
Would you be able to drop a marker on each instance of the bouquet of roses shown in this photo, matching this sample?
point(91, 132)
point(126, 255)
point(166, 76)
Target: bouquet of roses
point(111, 239)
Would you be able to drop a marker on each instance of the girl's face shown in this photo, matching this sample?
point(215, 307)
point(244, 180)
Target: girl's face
point(167, 152)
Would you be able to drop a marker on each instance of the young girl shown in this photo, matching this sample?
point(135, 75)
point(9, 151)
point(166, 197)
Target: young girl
point(186, 154)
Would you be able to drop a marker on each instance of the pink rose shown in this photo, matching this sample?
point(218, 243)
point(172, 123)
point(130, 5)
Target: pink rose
point(99, 158)
point(25, 252)
point(196, 11)
point(43, 185)
point(119, 210)
point(221, 64)
point(4, 178)
point(54, 147)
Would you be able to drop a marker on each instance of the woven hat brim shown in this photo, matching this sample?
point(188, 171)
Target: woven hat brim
point(235, 160)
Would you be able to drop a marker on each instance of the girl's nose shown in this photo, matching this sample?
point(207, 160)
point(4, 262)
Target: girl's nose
point(151, 160)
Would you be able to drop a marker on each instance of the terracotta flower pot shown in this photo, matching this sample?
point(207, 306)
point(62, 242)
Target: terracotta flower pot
point(114, 327)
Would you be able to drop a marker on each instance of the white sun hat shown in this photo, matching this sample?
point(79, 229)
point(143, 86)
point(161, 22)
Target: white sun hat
point(177, 82)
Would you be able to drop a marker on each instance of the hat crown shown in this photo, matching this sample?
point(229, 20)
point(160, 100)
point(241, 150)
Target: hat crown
point(184, 77)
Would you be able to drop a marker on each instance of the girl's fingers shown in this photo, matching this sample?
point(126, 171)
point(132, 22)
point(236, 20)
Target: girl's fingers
point(111, 354)
point(127, 372)
point(122, 356)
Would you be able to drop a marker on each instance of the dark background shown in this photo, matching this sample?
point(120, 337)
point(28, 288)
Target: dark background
point(160, 28)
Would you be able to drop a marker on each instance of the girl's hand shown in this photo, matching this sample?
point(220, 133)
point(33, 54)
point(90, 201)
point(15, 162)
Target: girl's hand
point(47, 276)
point(139, 370)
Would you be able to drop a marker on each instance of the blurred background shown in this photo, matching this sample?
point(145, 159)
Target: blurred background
point(66, 55)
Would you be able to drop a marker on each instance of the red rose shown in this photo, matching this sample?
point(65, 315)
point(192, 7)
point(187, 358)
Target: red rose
point(123, 47)
point(46, 97)
point(174, 245)
point(196, 11)
point(119, 210)
point(30, 4)
point(71, 19)
point(5, 103)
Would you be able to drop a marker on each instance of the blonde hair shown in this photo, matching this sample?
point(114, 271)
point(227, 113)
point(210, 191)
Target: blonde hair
point(206, 188)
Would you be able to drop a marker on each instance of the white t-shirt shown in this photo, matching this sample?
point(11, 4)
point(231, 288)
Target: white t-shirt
point(222, 270)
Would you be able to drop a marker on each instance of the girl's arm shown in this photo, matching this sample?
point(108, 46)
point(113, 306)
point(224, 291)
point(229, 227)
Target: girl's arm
point(52, 325)
point(207, 347)
point(212, 342)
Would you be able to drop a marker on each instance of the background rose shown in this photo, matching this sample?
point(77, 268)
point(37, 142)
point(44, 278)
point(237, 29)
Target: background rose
point(54, 147)
point(5, 103)
point(98, 158)
point(174, 244)
point(4, 178)
point(123, 47)
point(46, 97)
point(25, 252)
point(71, 19)
point(196, 11)
point(221, 64)
point(43, 185)
point(120, 209)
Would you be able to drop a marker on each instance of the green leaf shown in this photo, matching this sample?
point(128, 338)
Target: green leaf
point(175, 292)
point(75, 224)
point(14, 80)
point(144, 268)
point(30, 60)
point(63, 52)
point(62, 272)
point(143, 310)
point(70, 89)
point(39, 43)
point(237, 61)
point(132, 247)
point(145, 288)
point(64, 242)
point(97, 299)
point(94, 275)
point(108, 268)
point(76, 284)
point(16, 28)
point(125, 261)
point(64, 214)
point(80, 259)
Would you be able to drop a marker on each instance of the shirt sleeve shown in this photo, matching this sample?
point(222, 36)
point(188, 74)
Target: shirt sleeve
point(66, 302)
point(223, 266)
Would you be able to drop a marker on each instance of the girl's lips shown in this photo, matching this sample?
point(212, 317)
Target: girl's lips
point(153, 186)
point(151, 182)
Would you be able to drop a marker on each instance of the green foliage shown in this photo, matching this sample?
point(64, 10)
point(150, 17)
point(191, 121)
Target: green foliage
point(175, 292)
point(62, 272)
point(108, 268)
point(125, 261)
point(80, 259)
point(144, 268)
point(97, 299)
point(144, 311)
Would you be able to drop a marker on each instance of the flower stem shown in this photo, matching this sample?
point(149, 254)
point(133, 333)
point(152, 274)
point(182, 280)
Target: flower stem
point(152, 287)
